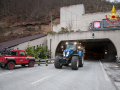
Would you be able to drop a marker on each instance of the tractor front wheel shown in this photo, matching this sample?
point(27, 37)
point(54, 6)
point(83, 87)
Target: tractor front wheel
point(81, 62)
point(75, 63)
point(57, 63)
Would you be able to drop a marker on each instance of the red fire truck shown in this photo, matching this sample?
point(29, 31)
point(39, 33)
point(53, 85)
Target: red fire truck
point(10, 58)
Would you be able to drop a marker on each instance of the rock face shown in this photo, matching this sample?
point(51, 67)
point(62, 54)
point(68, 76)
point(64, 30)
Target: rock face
point(19, 30)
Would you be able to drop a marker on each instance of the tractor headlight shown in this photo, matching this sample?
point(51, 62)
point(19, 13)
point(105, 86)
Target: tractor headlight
point(67, 53)
point(75, 43)
point(63, 53)
point(79, 47)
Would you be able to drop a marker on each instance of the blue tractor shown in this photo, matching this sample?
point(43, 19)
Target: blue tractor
point(72, 54)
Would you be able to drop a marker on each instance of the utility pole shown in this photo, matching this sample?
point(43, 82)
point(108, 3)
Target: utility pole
point(51, 17)
point(51, 22)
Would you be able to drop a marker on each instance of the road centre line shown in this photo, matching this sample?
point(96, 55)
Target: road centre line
point(40, 80)
point(45, 78)
point(105, 74)
point(5, 73)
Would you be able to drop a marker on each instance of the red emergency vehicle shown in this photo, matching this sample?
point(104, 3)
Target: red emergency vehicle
point(16, 57)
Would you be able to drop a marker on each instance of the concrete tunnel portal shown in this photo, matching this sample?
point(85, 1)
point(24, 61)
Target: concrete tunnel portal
point(94, 48)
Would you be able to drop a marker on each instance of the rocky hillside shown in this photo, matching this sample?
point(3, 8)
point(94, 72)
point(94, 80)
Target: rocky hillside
point(21, 18)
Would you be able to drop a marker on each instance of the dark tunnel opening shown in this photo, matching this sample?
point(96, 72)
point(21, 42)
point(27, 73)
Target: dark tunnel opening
point(94, 48)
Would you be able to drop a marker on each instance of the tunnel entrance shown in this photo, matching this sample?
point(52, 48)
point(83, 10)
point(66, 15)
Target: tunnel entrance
point(99, 49)
point(94, 48)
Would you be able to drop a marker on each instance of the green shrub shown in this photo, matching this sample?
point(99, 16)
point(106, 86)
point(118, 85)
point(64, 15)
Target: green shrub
point(30, 52)
point(51, 32)
point(63, 30)
point(71, 30)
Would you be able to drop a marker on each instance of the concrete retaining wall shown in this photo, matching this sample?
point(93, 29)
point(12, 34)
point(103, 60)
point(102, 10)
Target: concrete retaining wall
point(112, 35)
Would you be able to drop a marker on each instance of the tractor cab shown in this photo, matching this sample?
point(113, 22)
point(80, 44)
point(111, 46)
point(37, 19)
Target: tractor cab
point(71, 48)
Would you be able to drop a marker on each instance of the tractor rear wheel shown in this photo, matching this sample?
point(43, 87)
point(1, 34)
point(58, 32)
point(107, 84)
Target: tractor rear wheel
point(81, 62)
point(75, 63)
point(57, 63)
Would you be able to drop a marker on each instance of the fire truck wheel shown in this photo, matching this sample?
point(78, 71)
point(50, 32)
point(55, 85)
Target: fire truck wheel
point(31, 64)
point(11, 65)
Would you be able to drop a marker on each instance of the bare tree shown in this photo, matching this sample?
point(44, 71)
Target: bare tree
point(36, 8)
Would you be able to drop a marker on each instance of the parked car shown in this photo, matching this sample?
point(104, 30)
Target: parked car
point(10, 58)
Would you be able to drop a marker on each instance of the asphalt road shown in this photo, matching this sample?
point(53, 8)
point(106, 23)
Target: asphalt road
point(90, 77)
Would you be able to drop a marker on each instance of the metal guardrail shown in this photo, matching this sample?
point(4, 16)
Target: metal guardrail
point(43, 60)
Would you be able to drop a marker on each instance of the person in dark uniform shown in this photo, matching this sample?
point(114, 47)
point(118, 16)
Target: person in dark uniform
point(39, 57)
point(47, 58)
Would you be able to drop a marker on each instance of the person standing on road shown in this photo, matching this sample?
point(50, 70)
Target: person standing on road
point(39, 58)
point(47, 58)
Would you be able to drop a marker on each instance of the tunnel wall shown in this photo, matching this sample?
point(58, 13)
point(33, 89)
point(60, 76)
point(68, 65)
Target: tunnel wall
point(111, 51)
point(113, 35)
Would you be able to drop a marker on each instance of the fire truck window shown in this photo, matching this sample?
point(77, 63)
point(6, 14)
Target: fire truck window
point(22, 53)
point(14, 53)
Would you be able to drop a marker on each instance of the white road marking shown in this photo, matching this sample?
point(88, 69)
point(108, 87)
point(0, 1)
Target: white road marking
point(105, 74)
point(116, 66)
point(40, 80)
point(5, 73)
point(36, 82)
